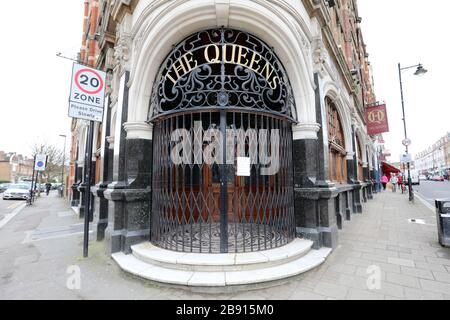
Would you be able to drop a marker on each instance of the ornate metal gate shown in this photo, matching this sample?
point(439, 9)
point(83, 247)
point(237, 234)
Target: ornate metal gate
point(222, 110)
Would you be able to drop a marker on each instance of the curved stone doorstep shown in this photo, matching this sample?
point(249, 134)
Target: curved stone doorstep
point(151, 272)
point(152, 254)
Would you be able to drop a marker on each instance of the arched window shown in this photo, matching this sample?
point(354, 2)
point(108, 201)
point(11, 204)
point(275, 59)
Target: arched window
point(337, 154)
point(360, 159)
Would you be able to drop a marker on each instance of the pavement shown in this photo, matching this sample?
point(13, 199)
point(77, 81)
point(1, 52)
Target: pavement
point(382, 255)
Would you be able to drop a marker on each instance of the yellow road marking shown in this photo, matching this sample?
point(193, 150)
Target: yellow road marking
point(14, 205)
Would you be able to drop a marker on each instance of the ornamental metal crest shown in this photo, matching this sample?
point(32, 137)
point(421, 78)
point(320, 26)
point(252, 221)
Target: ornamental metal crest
point(222, 69)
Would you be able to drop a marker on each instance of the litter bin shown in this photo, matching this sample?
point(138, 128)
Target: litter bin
point(443, 221)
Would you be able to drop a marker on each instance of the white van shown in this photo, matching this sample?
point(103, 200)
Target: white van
point(415, 176)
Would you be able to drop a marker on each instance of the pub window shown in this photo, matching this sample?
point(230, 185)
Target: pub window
point(336, 143)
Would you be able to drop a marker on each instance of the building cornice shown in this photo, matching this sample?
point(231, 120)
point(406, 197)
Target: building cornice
point(122, 7)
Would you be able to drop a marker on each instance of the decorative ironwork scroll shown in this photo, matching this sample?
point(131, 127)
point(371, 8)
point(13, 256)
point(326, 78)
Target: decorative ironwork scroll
point(222, 69)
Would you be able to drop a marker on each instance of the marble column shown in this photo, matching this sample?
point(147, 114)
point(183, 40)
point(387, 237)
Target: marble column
point(77, 180)
point(129, 192)
point(81, 189)
point(106, 155)
point(314, 196)
point(356, 195)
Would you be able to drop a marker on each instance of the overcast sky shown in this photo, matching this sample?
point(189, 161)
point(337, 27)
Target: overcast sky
point(34, 86)
point(410, 32)
point(35, 83)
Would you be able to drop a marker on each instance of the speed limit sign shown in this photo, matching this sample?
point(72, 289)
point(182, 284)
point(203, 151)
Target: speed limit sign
point(87, 93)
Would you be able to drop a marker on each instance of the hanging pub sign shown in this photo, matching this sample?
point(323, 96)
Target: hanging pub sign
point(376, 119)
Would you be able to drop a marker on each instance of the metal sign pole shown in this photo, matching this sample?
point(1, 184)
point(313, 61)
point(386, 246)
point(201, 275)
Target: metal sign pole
point(86, 101)
point(32, 181)
point(87, 198)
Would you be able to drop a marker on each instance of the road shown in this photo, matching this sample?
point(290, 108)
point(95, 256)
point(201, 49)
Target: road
point(431, 190)
point(8, 206)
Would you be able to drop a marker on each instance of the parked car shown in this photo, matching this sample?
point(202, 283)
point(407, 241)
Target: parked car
point(4, 186)
point(438, 178)
point(423, 177)
point(56, 186)
point(17, 191)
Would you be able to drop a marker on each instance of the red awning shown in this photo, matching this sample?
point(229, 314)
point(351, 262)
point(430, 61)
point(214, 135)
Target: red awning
point(388, 169)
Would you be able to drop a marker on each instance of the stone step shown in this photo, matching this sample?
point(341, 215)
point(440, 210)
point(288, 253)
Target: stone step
point(154, 255)
point(133, 265)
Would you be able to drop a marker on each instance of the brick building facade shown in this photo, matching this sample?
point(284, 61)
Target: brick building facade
point(15, 167)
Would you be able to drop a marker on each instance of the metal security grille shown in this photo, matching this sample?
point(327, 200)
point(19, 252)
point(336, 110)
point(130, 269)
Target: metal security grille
point(222, 95)
point(200, 204)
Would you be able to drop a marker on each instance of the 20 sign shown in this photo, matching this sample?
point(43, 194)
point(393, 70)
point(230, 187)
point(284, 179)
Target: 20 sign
point(89, 81)
point(87, 93)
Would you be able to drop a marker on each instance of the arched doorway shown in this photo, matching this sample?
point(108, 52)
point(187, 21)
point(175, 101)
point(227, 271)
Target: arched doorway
point(222, 110)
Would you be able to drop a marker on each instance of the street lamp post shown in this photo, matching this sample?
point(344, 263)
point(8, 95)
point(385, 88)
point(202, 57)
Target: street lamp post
point(63, 165)
point(420, 71)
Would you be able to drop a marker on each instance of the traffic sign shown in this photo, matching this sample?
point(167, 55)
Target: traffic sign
point(406, 142)
point(41, 162)
point(405, 158)
point(87, 93)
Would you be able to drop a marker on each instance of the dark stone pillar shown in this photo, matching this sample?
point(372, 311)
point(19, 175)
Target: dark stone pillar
point(93, 173)
point(101, 214)
point(373, 179)
point(130, 192)
point(314, 196)
point(77, 180)
point(348, 211)
point(339, 215)
point(130, 220)
point(81, 189)
point(368, 177)
point(356, 196)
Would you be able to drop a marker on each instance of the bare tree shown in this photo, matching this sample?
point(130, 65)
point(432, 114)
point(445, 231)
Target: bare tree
point(55, 158)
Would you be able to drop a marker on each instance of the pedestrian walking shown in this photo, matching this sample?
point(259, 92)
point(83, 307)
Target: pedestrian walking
point(400, 183)
point(48, 186)
point(384, 181)
point(394, 181)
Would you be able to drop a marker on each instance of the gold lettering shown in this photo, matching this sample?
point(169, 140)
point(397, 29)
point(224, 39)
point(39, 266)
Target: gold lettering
point(233, 53)
point(242, 55)
point(216, 52)
point(273, 84)
point(253, 61)
point(171, 78)
point(268, 71)
point(189, 60)
point(178, 68)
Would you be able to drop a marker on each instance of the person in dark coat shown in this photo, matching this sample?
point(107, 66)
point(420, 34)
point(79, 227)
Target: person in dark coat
point(48, 187)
